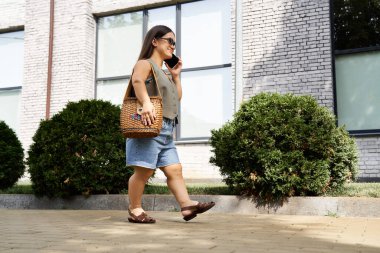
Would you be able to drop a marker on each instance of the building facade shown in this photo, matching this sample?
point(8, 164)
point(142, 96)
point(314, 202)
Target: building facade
point(231, 49)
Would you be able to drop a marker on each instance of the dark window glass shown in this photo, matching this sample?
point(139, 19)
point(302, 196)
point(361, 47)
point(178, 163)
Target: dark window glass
point(356, 23)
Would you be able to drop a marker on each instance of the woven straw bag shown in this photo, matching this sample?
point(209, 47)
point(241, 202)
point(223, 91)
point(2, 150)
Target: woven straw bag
point(130, 117)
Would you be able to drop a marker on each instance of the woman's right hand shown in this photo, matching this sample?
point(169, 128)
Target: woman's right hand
point(148, 114)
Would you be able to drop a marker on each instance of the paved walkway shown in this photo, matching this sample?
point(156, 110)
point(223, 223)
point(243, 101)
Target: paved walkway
point(108, 231)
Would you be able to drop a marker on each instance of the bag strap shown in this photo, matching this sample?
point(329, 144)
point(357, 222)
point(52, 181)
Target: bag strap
point(130, 86)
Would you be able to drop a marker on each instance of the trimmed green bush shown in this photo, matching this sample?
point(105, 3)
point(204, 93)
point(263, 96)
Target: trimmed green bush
point(79, 151)
point(11, 157)
point(279, 146)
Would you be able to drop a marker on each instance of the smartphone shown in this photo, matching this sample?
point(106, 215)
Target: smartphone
point(173, 61)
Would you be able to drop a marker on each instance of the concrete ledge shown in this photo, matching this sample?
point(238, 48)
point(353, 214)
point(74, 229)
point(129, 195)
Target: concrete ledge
point(335, 206)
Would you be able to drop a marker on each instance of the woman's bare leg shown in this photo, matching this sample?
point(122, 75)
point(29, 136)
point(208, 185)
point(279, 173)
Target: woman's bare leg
point(136, 186)
point(177, 186)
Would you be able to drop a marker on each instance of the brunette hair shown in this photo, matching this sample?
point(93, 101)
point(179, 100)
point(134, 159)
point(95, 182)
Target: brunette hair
point(155, 32)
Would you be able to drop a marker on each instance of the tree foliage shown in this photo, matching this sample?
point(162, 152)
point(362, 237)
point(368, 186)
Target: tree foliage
point(279, 146)
point(79, 151)
point(11, 157)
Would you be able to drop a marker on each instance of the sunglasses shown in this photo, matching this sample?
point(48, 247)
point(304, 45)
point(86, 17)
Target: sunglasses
point(170, 41)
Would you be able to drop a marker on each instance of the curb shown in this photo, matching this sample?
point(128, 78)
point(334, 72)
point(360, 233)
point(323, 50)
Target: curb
point(319, 206)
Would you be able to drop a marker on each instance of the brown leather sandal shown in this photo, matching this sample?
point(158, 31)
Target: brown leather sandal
point(142, 218)
point(198, 208)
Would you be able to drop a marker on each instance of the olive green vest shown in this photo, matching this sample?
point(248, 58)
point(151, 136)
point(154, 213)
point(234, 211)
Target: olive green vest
point(168, 91)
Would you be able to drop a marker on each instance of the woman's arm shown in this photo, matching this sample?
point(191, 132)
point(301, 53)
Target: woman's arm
point(177, 82)
point(175, 72)
point(141, 72)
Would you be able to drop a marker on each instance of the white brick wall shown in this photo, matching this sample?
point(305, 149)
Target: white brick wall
point(73, 60)
point(33, 95)
point(74, 53)
point(232, 50)
point(369, 153)
point(287, 48)
point(12, 14)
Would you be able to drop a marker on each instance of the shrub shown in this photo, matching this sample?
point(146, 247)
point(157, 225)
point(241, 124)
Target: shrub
point(79, 150)
point(279, 146)
point(11, 157)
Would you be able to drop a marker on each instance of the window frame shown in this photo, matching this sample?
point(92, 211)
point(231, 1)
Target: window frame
point(14, 88)
point(335, 52)
point(11, 88)
point(178, 14)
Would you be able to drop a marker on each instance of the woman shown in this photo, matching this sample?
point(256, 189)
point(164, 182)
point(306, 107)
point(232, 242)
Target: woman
point(147, 154)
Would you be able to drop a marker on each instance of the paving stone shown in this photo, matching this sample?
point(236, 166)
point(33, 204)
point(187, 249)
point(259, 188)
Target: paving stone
point(108, 231)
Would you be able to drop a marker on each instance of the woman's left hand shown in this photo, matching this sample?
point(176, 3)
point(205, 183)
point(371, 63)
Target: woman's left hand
point(176, 70)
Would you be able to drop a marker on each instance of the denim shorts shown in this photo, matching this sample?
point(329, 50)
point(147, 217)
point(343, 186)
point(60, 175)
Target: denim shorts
point(154, 152)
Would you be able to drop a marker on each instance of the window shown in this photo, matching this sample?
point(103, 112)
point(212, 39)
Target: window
point(358, 90)
point(356, 23)
point(203, 31)
point(357, 64)
point(11, 74)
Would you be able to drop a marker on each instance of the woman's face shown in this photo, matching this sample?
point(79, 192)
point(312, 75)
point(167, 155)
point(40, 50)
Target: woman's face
point(164, 45)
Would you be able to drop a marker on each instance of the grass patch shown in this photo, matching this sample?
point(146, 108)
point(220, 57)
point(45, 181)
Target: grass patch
point(332, 214)
point(193, 189)
point(357, 190)
point(349, 190)
point(18, 189)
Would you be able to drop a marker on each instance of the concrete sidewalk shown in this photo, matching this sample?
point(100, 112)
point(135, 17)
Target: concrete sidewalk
point(108, 231)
